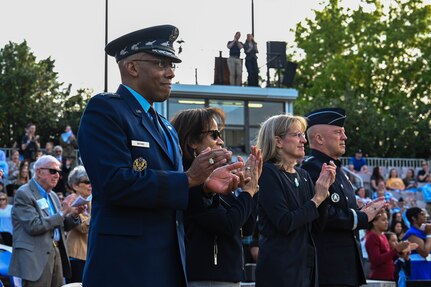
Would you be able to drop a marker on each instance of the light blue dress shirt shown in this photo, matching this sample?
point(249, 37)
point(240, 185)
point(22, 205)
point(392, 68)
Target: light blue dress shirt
point(51, 207)
point(146, 106)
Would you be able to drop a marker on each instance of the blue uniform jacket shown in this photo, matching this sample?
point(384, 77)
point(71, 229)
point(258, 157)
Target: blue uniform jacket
point(338, 248)
point(136, 235)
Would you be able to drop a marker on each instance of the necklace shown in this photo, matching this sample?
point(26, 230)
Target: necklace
point(294, 182)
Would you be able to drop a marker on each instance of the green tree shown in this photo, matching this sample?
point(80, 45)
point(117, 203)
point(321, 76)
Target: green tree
point(30, 92)
point(375, 63)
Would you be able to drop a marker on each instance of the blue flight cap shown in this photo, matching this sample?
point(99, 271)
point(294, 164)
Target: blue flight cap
point(327, 116)
point(156, 40)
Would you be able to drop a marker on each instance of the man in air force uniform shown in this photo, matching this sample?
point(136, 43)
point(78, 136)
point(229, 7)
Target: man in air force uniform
point(338, 246)
point(132, 157)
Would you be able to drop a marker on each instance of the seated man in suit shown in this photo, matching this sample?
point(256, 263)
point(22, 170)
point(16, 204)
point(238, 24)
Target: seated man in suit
point(39, 220)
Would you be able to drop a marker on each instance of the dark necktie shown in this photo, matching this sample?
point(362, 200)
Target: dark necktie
point(155, 119)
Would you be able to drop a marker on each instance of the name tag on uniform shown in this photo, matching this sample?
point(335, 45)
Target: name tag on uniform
point(140, 144)
point(43, 204)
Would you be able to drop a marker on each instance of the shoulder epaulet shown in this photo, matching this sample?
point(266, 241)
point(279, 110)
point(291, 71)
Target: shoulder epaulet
point(308, 158)
point(110, 95)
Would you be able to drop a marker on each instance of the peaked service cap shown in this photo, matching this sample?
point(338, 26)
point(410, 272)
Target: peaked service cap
point(156, 40)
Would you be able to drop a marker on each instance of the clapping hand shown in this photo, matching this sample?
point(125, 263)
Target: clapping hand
point(405, 248)
point(252, 170)
point(223, 179)
point(374, 207)
point(205, 163)
point(67, 206)
point(325, 180)
point(331, 169)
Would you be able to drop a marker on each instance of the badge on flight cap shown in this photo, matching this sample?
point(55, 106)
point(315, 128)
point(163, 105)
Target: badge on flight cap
point(139, 164)
point(174, 34)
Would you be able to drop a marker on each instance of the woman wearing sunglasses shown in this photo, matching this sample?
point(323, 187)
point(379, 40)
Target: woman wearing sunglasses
point(77, 238)
point(214, 226)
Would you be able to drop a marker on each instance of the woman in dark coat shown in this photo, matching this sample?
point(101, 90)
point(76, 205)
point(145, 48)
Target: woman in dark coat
point(288, 204)
point(215, 225)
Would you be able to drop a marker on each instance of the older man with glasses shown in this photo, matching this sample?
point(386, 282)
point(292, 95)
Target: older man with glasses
point(39, 220)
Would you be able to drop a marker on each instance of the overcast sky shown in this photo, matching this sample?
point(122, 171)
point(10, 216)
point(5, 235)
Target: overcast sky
point(73, 32)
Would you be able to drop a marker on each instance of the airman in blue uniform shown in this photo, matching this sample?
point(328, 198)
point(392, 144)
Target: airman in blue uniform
point(132, 157)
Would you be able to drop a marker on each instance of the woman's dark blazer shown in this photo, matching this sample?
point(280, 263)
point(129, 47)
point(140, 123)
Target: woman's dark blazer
point(285, 218)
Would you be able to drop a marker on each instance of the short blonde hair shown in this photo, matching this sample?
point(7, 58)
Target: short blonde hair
point(277, 125)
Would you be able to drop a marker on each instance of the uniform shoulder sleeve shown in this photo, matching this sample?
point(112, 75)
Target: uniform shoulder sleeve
point(109, 95)
point(313, 166)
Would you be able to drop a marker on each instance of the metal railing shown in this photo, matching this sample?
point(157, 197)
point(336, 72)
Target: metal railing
point(358, 182)
point(386, 164)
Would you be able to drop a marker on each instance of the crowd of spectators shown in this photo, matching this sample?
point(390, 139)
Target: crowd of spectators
point(397, 243)
point(399, 184)
point(397, 247)
point(384, 238)
point(76, 238)
point(380, 253)
point(17, 168)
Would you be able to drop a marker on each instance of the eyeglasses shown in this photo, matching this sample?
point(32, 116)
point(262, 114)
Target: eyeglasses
point(84, 181)
point(215, 134)
point(298, 135)
point(162, 63)
point(52, 170)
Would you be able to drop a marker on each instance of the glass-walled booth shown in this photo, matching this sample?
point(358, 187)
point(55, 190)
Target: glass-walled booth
point(245, 108)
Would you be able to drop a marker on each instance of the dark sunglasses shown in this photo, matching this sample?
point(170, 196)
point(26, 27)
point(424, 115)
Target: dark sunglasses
point(85, 181)
point(52, 170)
point(215, 134)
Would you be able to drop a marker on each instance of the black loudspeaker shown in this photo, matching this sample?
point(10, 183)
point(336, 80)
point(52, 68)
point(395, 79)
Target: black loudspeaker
point(289, 74)
point(276, 54)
